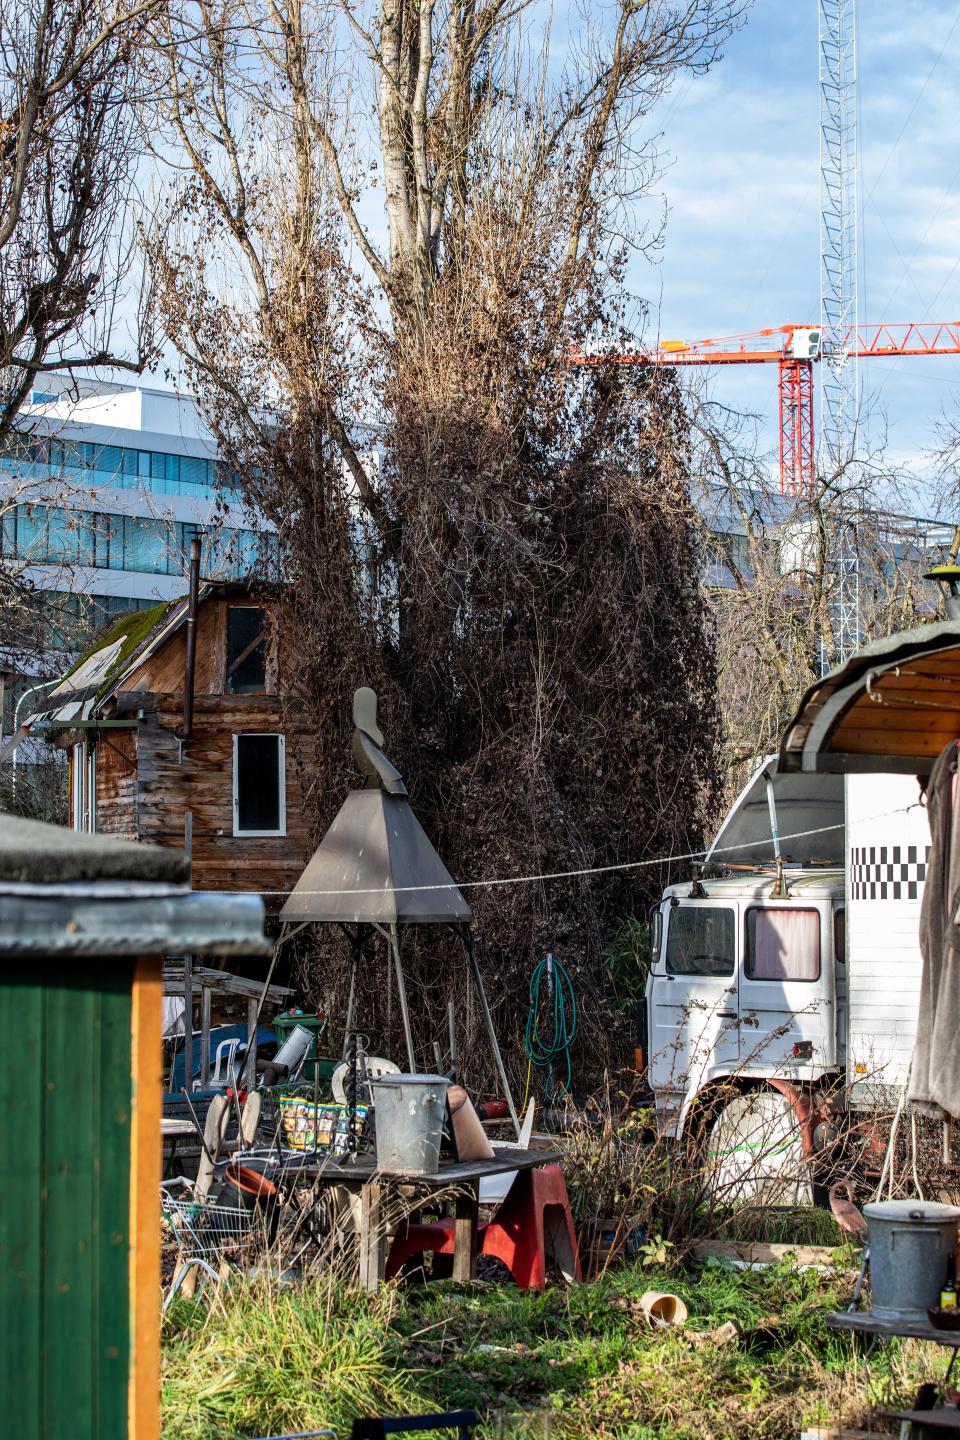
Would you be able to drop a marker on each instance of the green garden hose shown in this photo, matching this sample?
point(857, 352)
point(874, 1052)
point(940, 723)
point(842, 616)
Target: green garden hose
point(561, 1023)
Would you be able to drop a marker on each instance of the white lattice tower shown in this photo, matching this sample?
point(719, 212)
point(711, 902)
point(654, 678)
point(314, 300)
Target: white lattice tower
point(839, 379)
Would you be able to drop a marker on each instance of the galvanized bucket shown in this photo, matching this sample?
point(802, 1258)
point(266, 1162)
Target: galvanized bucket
point(909, 1244)
point(410, 1111)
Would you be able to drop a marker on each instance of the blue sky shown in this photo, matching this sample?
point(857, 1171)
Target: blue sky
point(742, 194)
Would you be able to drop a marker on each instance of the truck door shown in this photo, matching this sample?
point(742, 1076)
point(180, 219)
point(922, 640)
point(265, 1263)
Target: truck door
point(693, 996)
point(787, 989)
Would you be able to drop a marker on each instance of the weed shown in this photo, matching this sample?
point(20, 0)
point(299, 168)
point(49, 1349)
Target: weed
point(267, 1362)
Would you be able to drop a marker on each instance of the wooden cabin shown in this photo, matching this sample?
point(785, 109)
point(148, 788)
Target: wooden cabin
point(210, 767)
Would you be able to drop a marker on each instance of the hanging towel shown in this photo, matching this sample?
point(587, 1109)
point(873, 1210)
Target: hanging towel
point(935, 1070)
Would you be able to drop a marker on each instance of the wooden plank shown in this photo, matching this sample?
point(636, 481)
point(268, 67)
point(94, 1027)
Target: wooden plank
point(757, 1253)
point(868, 1324)
point(829, 1432)
point(358, 1170)
point(372, 1237)
point(71, 1231)
point(21, 1264)
point(943, 1417)
point(146, 1063)
point(112, 1310)
point(465, 1211)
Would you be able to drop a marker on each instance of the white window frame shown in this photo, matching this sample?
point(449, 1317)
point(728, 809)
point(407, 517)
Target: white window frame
point(281, 779)
point(78, 760)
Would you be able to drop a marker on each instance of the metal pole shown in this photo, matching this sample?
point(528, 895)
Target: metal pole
point(402, 996)
point(187, 1019)
point(250, 1067)
point(185, 730)
point(467, 938)
point(551, 1076)
point(453, 1036)
point(205, 1038)
point(355, 944)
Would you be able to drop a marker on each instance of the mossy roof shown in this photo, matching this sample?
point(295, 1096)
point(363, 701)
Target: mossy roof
point(134, 630)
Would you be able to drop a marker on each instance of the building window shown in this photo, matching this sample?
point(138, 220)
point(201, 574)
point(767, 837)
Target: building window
point(259, 785)
point(783, 944)
point(246, 650)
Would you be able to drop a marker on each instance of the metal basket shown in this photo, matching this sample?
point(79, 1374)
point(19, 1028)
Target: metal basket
point(202, 1229)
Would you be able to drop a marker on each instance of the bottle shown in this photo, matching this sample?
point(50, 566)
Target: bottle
point(948, 1295)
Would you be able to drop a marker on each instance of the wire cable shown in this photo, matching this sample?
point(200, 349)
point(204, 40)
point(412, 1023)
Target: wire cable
point(709, 853)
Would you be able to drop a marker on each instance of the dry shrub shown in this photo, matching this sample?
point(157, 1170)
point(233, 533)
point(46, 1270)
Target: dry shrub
point(499, 543)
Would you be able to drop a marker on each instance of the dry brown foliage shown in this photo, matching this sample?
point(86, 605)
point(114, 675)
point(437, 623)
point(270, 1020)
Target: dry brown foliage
point(500, 546)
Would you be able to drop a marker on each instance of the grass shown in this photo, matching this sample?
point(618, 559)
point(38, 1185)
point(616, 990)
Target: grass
point(266, 1362)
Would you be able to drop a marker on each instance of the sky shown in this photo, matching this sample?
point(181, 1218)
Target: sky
point(741, 187)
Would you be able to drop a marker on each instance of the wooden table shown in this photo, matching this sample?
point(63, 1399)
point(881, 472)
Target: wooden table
point(374, 1186)
point(870, 1324)
point(945, 1417)
point(172, 1130)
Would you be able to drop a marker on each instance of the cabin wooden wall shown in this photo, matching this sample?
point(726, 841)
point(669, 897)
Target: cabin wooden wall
point(170, 779)
point(163, 673)
point(117, 784)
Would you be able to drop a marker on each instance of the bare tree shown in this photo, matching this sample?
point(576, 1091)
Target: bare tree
point(772, 578)
point(392, 221)
point(68, 150)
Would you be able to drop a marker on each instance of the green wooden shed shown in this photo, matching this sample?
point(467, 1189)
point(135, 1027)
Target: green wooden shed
point(84, 924)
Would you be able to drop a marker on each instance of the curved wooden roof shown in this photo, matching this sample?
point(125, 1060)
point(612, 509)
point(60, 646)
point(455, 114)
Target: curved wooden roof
point(892, 707)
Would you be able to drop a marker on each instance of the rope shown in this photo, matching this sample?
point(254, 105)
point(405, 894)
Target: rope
point(543, 1052)
point(707, 854)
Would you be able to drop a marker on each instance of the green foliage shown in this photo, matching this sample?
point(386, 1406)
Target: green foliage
point(267, 1363)
point(627, 957)
point(656, 1252)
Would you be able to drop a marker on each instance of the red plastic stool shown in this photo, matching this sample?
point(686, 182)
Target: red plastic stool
point(534, 1221)
point(409, 1240)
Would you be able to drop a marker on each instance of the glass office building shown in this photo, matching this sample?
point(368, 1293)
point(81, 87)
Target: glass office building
point(101, 491)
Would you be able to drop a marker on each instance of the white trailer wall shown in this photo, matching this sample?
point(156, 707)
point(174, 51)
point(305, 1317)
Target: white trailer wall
point(888, 843)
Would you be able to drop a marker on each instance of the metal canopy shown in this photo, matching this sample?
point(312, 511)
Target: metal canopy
point(376, 865)
point(376, 869)
point(891, 708)
point(802, 803)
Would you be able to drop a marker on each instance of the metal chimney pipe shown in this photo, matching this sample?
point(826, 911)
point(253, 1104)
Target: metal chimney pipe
point(190, 663)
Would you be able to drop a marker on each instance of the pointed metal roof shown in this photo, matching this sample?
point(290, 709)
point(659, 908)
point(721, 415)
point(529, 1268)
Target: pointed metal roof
point(375, 864)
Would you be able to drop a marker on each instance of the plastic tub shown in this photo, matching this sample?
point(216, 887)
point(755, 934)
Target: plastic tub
point(410, 1111)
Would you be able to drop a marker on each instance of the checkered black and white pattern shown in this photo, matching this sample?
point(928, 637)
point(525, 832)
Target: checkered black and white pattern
point(888, 872)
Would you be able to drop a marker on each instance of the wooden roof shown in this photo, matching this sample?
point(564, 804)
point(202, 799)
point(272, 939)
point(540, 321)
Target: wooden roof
point(892, 707)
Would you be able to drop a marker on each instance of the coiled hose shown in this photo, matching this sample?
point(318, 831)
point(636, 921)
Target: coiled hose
point(544, 1050)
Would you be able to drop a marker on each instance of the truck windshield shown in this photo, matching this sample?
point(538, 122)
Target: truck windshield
point(701, 940)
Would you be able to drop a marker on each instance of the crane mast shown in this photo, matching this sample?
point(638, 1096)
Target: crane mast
point(839, 311)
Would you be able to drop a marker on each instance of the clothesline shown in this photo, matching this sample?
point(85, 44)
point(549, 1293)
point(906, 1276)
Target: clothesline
point(599, 869)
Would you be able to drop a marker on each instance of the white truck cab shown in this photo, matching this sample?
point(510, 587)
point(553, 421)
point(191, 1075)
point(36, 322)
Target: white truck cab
point(744, 982)
point(797, 982)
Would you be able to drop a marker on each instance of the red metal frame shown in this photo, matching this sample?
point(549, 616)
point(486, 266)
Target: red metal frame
point(797, 472)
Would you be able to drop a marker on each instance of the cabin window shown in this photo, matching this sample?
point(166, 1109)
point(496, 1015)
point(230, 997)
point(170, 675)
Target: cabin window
point(259, 785)
point(840, 934)
point(783, 944)
point(701, 940)
point(246, 650)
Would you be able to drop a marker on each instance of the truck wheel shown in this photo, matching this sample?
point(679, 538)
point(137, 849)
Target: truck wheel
point(754, 1153)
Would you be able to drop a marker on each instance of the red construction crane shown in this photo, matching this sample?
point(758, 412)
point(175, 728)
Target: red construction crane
point(794, 349)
